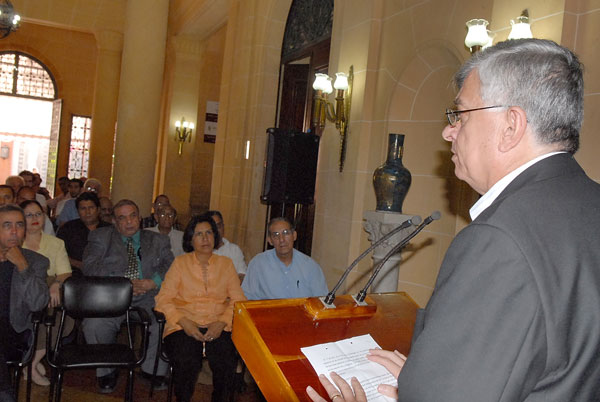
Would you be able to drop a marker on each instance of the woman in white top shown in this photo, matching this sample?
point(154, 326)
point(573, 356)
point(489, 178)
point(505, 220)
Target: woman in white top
point(59, 269)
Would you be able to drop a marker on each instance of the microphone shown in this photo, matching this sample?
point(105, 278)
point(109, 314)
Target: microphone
point(435, 215)
point(328, 300)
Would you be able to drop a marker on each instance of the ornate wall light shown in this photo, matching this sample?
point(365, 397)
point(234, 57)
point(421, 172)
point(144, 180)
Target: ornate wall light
point(324, 110)
point(520, 28)
point(478, 37)
point(9, 20)
point(183, 132)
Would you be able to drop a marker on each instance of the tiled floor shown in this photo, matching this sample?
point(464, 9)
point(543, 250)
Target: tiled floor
point(80, 386)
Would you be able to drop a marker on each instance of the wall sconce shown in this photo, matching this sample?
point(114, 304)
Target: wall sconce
point(478, 37)
point(521, 28)
point(183, 132)
point(9, 20)
point(324, 110)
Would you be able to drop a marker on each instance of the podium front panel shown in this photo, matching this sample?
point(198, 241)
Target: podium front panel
point(269, 334)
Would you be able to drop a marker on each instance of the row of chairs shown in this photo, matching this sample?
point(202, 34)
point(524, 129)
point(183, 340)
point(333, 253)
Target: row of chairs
point(89, 297)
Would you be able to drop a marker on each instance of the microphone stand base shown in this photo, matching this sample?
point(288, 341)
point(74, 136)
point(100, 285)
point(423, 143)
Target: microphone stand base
point(342, 307)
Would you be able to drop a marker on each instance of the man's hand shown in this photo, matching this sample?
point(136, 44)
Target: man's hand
point(15, 256)
point(213, 331)
point(141, 286)
point(191, 329)
point(54, 294)
point(393, 362)
point(355, 393)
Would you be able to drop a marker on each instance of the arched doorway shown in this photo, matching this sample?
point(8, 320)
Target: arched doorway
point(305, 51)
point(29, 126)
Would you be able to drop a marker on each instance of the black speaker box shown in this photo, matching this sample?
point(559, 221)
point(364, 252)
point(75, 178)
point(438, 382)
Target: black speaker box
point(290, 167)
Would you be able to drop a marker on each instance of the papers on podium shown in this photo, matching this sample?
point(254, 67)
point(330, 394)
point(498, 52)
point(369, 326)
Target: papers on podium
point(348, 359)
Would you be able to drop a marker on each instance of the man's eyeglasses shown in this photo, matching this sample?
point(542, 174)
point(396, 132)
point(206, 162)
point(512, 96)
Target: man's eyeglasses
point(453, 116)
point(284, 232)
point(167, 216)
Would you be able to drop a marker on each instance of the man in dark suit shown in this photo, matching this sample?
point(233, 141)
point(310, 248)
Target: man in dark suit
point(142, 256)
point(514, 315)
point(23, 290)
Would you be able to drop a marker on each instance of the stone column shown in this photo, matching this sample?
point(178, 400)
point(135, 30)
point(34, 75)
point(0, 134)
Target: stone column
point(140, 91)
point(378, 224)
point(177, 170)
point(104, 112)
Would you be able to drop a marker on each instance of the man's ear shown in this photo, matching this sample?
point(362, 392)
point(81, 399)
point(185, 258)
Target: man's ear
point(514, 130)
point(295, 235)
point(269, 241)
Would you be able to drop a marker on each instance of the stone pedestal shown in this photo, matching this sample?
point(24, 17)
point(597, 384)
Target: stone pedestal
point(378, 224)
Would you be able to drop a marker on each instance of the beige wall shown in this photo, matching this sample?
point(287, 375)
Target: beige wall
point(404, 55)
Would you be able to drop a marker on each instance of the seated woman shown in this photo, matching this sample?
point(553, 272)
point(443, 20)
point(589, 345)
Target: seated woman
point(197, 298)
point(58, 270)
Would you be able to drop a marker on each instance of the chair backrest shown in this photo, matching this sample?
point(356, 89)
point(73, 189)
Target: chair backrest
point(96, 296)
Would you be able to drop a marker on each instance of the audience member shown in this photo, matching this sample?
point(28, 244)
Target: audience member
point(26, 194)
point(165, 216)
point(59, 269)
point(15, 182)
point(29, 180)
point(37, 186)
point(75, 233)
point(514, 312)
point(143, 256)
point(69, 211)
point(75, 188)
point(7, 195)
point(283, 272)
point(23, 290)
point(63, 184)
point(106, 210)
point(226, 248)
point(197, 298)
point(150, 221)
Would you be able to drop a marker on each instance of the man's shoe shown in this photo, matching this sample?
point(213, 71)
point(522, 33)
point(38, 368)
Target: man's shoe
point(160, 381)
point(108, 383)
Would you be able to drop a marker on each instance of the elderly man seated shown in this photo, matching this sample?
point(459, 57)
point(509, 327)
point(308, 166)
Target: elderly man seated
point(143, 256)
point(23, 290)
point(165, 216)
point(283, 272)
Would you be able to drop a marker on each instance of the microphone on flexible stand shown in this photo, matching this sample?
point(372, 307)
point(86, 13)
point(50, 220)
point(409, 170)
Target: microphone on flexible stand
point(360, 297)
point(328, 300)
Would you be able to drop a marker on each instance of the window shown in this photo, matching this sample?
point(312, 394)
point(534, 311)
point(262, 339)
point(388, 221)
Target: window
point(81, 127)
point(23, 75)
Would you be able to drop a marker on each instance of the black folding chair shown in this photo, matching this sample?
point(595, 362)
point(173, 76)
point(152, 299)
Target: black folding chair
point(25, 362)
point(95, 297)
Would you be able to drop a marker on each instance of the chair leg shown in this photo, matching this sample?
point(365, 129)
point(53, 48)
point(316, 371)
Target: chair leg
point(170, 391)
point(154, 370)
point(59, 380)
point(52, 384)
point(129, 390)
point(16, 380)
point(29, 380)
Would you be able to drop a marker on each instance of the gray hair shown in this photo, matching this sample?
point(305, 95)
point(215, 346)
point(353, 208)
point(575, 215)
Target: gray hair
point(540, 76)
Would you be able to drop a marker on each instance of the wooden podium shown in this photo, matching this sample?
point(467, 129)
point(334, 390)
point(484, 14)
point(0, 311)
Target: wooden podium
point(268, 335)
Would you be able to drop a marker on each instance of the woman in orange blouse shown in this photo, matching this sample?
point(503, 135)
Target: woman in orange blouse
point(197, 298)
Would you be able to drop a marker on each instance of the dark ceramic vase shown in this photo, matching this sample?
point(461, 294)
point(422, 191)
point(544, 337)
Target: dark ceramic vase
point(392, 180)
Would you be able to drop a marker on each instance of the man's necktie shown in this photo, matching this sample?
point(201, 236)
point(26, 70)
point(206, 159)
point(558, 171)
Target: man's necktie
point(132, 262)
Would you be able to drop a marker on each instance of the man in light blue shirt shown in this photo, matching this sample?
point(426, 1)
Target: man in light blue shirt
point(283, 272)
